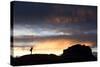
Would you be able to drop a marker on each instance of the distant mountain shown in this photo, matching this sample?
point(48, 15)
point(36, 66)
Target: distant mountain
point(76, 53)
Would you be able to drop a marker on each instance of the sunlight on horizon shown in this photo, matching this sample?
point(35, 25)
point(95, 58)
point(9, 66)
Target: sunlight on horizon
point(48, 47)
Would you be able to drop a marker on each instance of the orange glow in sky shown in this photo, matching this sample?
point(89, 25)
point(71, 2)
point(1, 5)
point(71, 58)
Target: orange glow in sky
point(49, 47)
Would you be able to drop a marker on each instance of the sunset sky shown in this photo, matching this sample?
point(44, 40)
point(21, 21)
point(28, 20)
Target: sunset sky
point(51, 28)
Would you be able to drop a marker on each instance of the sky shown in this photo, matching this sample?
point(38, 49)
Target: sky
point(53, 27)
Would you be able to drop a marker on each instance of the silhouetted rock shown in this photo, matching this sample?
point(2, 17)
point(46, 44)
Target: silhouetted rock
point(76, 53)
point(35, 59)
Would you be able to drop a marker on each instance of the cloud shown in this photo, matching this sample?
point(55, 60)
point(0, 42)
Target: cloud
point(46, 21)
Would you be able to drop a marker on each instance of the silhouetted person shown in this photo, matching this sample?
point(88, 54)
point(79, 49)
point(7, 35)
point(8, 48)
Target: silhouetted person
point(76, 53)
point(31, 50)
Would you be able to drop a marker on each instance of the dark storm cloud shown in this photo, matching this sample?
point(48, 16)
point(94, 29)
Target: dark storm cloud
point(34, 11)
point(41, 18)
point(31, 38)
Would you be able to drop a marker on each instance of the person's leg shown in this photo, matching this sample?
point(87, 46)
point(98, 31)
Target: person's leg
point(31, 52)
